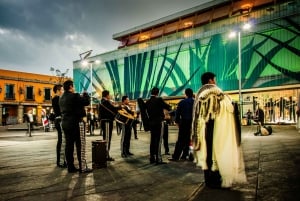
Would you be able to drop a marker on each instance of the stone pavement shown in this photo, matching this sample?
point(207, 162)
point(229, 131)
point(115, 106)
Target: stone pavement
point(272, 166)
point(28, 171)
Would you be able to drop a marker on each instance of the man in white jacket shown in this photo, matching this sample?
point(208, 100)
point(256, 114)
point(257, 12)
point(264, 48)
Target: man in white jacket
point(216, 136)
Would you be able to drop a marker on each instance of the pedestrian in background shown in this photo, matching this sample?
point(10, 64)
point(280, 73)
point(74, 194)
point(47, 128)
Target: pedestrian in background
point(155, 108)
point(183, 119)
point(216, 136)
point(249, 117)
point(30, 121)
point(91, 121)
point(45, 120)
point(298, 114)
point(260, 119)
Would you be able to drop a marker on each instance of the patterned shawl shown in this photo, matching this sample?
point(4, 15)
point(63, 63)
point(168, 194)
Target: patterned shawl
point(206, 106)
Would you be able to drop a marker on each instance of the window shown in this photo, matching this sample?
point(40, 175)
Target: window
point(9, 91)
point(47, 94)
point(29, 93)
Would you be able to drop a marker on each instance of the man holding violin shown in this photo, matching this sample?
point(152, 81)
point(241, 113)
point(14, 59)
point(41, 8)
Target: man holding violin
point(126, 128)
point(107, 113)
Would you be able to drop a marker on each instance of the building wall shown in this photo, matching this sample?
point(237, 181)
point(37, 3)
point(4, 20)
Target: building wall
point(270, 60)
point(15, 95)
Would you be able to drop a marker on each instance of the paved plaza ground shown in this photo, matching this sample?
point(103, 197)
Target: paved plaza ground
point(29, 172)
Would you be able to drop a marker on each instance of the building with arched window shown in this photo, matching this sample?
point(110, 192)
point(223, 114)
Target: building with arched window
point(259, 67)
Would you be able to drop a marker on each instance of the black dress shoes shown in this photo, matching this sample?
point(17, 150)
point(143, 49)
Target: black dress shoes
point(183, 158)
point(152, 159)
point(62, 166)
point(87, 170)
point(173, 159)
point(110, 159)
point(129, 154)
point(124, 155)
point(73, 170)
point(160, 163)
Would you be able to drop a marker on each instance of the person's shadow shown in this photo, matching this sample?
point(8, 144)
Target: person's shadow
point(209, 194)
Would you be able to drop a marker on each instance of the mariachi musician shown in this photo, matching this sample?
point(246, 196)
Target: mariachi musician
point(60, 146)
point(155, 109)
point(126, 128)
point(107, 113)
point(72, 110)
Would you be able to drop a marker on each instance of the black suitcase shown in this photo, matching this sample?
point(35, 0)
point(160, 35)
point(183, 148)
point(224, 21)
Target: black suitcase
point(144, 114)
point(99, 154)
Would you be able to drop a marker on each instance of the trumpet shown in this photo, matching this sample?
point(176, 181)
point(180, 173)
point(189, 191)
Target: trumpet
point(123, 112)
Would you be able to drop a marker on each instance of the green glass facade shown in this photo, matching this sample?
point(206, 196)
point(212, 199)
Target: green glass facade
point(270, 57)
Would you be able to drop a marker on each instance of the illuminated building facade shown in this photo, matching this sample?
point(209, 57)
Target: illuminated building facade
point(172, 53)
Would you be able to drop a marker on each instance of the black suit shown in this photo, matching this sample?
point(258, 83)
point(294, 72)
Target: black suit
point(126, 134)
point(184, 115)
point(72, 110)
point(155, 106)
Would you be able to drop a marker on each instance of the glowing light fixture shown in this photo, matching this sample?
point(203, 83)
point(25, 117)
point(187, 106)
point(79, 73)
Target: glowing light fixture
point(85, 62)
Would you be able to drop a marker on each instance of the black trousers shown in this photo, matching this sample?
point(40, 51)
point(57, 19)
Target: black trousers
point(125, 140)
point(134, 128)
point(166, 137)
point(59, 151)
point(91, 127)
point(72, 137)
point(107, 127)
point(156, 132)
point(118, 127)
point(183, 140)
point(212, 178)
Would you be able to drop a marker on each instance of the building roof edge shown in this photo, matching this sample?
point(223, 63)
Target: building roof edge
point(169, 18)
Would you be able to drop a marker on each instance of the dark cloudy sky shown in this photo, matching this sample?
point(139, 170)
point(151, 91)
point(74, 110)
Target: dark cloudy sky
point(38, 34)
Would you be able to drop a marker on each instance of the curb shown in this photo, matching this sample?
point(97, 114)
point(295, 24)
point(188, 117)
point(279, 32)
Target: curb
point(193, 196)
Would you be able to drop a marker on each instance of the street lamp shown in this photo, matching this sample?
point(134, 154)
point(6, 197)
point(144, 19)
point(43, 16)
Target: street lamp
point(60, 75)
point(246, 26)
point(85, 62)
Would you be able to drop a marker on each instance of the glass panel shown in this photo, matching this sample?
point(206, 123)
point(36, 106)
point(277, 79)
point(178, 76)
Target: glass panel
point(279, 106)
point(9, 91)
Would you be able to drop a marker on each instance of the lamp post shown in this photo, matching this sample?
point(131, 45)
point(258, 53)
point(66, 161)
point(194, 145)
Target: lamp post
point(91, 78)
point(60, 75)
point(240, 74)
point(85, 62)
point(246, 26)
